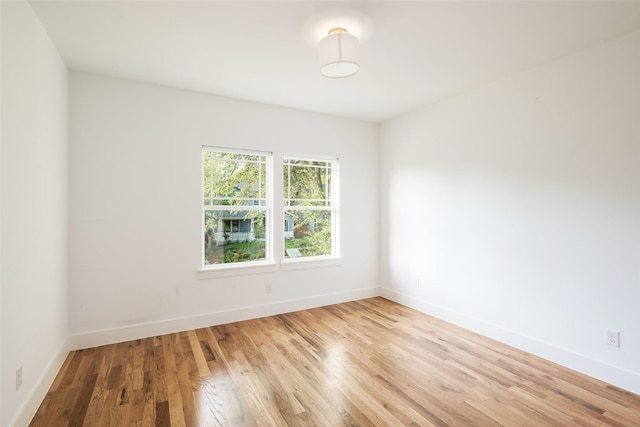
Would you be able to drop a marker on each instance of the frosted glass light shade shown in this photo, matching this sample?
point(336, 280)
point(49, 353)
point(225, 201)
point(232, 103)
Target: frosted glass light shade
point(338, 55)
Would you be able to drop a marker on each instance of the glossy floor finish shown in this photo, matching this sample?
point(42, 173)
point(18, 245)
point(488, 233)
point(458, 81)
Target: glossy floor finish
point(368, 363)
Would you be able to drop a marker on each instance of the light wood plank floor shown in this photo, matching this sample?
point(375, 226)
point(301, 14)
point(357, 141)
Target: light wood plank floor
point(368, 363)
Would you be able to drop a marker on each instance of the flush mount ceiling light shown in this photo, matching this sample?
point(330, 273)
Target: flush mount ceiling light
point(337, 34)
point(338, 53)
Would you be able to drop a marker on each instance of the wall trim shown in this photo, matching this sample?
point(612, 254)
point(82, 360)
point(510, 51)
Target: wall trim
point(600, 370)
point(35, 397)
point(145, 330)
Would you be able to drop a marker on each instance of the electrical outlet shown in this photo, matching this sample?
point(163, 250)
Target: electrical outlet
point(417, 283)
point(18, 378)
point(267, 288)
point(612, 338)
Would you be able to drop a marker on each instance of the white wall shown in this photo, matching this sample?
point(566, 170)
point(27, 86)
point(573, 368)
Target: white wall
point(135, 208)
point(517, 208)
point(34, 211)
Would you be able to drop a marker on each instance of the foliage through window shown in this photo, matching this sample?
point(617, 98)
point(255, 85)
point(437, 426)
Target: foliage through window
point(310, 207)
point(236, 204)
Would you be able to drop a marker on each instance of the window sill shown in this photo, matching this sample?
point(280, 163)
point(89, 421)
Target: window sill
point(261, 268)
point(302, 263)
point(235, 270)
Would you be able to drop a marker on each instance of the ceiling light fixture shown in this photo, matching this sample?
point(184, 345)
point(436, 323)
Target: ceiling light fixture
point(338, 53)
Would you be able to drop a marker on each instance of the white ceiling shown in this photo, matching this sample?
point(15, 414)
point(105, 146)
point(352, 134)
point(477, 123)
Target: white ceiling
point(419, 51)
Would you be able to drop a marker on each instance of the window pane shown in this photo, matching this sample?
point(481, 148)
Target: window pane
point(234, 236)
point(307, 233)
point(234, 179)
point(307, 183)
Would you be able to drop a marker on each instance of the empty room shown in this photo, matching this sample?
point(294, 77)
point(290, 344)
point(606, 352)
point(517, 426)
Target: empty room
point(317, 213)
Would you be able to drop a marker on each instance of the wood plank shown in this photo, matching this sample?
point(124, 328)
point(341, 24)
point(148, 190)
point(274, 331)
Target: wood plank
point(162, 414)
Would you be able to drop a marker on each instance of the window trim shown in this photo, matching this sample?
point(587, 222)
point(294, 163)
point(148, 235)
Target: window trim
point(236, 269)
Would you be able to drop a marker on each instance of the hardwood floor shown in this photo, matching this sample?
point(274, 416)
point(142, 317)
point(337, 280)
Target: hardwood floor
point(368, 363)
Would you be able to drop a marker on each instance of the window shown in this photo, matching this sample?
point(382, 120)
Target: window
point(310, 207)
point(236, 206)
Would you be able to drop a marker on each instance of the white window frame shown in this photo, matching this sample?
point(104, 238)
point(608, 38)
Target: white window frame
point(332, 204)
point(267, 209)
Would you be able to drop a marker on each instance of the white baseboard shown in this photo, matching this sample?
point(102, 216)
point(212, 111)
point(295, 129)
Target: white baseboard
point(37, 394)
point(127, 333)
point(619, 377)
